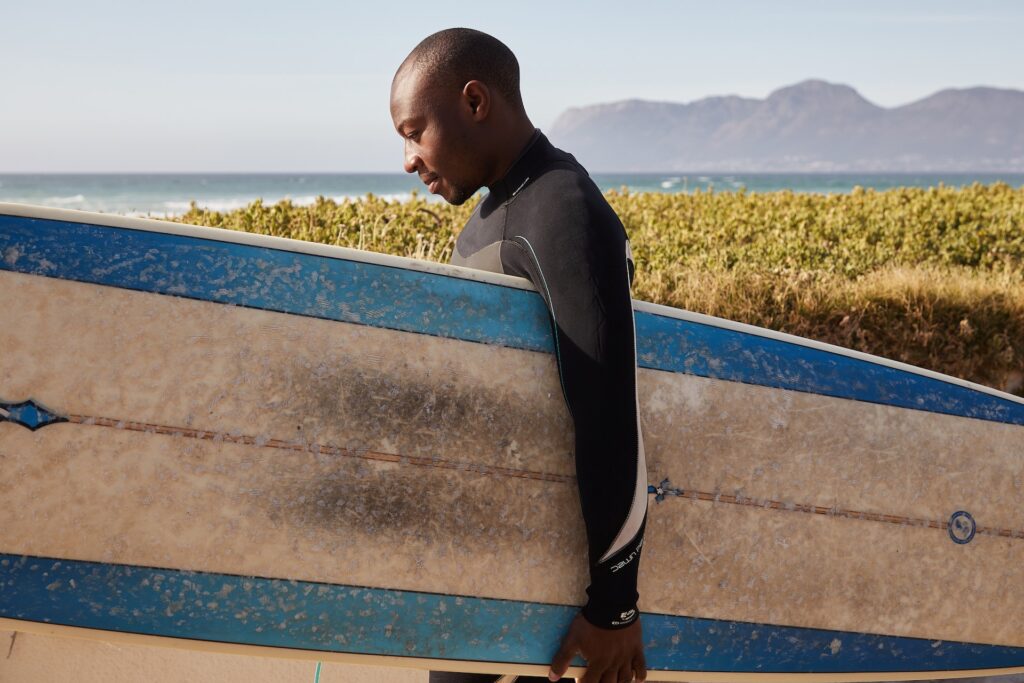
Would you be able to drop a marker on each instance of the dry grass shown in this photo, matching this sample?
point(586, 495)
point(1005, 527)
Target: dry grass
point(964, 323)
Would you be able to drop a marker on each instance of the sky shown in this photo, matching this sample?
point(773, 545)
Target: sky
point(302, 86)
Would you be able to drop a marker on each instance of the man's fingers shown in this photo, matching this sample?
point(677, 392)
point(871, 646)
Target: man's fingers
point(561, 661)
point(625, 674)
point(640, 668)
point(596, 674)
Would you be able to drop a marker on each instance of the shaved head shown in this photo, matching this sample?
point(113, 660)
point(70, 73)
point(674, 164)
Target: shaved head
point(456, 104)
point(453, 57)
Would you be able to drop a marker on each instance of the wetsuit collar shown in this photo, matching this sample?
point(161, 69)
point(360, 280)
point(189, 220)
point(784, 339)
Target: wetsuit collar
point(519, 173)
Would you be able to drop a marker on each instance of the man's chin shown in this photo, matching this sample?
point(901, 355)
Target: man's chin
point(456, 196)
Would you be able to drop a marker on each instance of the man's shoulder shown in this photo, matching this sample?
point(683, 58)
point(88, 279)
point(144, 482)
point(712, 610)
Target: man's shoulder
point(562, 186)
point(560, 169)
point(563, 193)
point(568, 177)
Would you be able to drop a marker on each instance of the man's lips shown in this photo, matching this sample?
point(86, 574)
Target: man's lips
point(431, 181)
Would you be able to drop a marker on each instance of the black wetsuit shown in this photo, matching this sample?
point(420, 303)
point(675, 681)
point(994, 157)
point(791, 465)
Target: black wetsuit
point(547, 221)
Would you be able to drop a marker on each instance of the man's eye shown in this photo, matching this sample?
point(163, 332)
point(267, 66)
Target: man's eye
point(413, 135)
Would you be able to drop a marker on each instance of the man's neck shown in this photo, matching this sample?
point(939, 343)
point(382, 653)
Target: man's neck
point(512, 150)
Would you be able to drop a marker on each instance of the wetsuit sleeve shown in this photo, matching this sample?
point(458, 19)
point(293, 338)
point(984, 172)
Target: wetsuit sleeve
point(575, 253)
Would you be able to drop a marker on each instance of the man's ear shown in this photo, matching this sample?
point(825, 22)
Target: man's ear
point(477, 98)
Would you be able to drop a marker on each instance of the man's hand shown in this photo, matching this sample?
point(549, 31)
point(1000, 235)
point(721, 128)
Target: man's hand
point(613, 656)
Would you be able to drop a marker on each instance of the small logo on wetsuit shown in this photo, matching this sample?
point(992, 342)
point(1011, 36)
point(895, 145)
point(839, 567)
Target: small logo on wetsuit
point(632, 556)
point(625, 618)
point(521, 186)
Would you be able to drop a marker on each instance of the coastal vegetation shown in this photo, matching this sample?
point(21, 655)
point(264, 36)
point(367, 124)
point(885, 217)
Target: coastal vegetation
point(933, 277)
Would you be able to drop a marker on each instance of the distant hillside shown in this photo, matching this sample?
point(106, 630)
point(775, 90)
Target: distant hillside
point(810, 126)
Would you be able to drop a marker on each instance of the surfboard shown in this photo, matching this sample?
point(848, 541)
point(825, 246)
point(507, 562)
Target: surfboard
point(220, 440)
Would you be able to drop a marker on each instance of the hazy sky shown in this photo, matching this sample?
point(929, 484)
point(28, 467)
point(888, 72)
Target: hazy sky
point(303, 85)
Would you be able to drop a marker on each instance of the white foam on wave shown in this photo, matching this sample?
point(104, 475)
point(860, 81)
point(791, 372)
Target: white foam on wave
point(62, 201)
point(157, 208)
point(178, 206)
point(311, 199)
point(403, 197)
point(174, 207)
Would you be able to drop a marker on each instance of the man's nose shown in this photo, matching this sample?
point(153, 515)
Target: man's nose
point(412, 160)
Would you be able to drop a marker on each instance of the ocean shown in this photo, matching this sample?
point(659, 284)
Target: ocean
point(170, 194)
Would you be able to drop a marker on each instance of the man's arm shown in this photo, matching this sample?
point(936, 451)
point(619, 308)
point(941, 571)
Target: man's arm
point(576, 256)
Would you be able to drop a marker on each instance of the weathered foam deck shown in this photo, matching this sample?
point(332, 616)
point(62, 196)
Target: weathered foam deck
point(233, 441)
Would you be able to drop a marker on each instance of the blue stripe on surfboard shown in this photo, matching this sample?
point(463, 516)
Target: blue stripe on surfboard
point(326, 617)
point(428, 303)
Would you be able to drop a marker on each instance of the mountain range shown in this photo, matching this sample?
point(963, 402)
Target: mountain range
point(812, 126)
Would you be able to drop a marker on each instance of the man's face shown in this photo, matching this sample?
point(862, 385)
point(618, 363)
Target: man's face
point(436, 127)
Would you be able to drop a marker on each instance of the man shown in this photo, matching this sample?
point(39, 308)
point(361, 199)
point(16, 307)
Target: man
point(455, 101)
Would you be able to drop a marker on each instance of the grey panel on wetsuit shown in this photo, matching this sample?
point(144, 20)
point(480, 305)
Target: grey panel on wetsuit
point(486, 258)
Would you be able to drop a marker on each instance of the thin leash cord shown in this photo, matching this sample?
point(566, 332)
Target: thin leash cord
point(316, 676)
